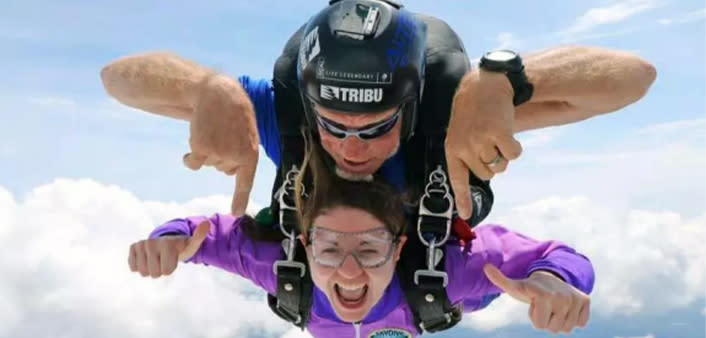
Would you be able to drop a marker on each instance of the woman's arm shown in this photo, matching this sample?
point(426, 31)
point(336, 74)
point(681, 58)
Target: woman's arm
point(228, 247)
point(552, 278)
point(518, 256)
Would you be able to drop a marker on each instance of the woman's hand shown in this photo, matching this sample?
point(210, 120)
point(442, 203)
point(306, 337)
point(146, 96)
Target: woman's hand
point(160, 256)
point(555, 306)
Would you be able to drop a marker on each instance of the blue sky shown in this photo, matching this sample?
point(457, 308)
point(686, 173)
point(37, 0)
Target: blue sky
point(640, 170)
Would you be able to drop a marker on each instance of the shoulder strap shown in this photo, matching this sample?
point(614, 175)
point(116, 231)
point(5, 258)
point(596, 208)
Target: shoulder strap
point(422, 271)
point(292, 301)
point(293, 298)
point(430, 305)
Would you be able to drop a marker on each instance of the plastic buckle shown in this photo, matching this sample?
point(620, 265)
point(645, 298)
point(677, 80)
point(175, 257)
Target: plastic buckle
point(290, 265)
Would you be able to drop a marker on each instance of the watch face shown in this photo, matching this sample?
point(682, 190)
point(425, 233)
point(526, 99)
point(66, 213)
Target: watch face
point(501, 55)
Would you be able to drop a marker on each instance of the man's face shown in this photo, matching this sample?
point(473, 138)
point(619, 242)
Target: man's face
point(355, 158)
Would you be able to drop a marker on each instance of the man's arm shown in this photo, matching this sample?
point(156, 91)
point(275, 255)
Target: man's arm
point(222, 120)
point(158, 82)
point(576, 83)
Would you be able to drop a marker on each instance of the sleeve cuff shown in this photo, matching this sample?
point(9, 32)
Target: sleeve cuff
point(549, 267)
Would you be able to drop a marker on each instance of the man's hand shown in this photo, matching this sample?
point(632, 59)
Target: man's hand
point(224, 136)
point(160, 256)
point(480, 134)
point(555, 306)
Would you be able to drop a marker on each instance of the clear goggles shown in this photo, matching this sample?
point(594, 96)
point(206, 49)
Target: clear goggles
point(371, 249)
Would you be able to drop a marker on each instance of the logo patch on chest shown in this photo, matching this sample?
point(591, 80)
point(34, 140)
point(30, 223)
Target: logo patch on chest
point(390, 333)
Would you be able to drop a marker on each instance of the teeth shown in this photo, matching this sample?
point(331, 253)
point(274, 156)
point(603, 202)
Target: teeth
point(349, 294)
point(351, 287)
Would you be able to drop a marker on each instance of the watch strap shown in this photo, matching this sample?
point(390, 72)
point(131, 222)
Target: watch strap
point(521, 86)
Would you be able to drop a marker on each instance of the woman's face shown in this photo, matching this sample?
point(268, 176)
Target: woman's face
point(343, 232)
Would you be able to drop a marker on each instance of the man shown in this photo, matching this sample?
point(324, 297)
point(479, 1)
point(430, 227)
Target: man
point(360, 129)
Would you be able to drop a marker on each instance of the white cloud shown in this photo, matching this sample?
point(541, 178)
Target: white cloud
point(684, 18)
point(64, 265)
point(645, 261)
point(611, 14)
point(507, 40)
point(647, 336)
point(502, 312)
point(107, 108)
point(66, 244)
point(587, 158)
point(296, 333)
point(577, 37)
point(657, 167)
point(101, 112)
point(53, 101)
point(587, 26)
point(539, 137)
point(672, 127)
point(680, 140)
point(640, 218)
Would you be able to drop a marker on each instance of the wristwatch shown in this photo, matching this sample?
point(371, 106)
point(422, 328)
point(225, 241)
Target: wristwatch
point(510, 63)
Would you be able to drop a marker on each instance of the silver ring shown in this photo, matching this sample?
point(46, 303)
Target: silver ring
point(498, 158)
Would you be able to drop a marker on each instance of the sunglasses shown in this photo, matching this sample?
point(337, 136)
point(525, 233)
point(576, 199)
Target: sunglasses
point(365, 133)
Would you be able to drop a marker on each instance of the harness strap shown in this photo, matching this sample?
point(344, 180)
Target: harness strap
point(293, 298)
point(427, 298)
point(292, 301)
point(424, 278)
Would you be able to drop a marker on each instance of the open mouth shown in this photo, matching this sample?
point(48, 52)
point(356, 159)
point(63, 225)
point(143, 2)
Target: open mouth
point(355, 164)
point(351, 297)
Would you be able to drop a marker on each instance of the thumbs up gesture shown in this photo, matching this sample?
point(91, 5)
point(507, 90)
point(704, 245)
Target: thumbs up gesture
point(555, 306)
point(159, 257)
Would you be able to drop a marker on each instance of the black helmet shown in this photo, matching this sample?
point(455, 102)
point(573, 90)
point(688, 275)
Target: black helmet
point(361, 56)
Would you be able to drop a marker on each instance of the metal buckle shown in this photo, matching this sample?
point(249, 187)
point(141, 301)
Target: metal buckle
point(287, 185)
point(448, 321)
point(431, 273)
point(431, 263)
point(290, 242)
point(286, 313)
point(446, 233)
point(436, 178)
point(423, 211)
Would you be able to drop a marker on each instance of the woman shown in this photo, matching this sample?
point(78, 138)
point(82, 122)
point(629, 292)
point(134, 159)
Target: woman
point(354, 233)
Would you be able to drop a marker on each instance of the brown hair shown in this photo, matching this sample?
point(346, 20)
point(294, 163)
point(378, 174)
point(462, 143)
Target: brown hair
point(326, 190)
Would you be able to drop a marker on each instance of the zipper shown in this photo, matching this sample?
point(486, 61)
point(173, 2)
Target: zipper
point(356, 326)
